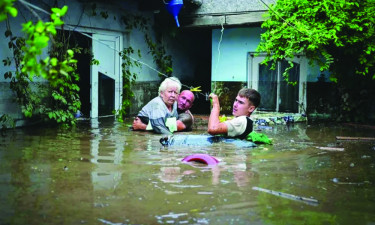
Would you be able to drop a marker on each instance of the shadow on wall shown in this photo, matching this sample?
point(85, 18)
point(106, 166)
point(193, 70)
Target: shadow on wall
point(143, 93)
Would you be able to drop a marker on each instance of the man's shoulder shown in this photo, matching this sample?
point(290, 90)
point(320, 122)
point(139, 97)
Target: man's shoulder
point(238, 118)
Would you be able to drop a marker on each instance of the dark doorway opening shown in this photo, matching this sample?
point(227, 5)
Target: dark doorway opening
point(83, 55)
point(106, 95)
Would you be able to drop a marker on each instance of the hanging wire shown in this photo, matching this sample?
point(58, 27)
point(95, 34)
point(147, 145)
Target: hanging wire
point(218, 49)
point(29, 6)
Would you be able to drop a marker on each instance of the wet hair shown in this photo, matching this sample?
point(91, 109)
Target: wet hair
point(186, 119)
point(251, 94)
point(170, 82)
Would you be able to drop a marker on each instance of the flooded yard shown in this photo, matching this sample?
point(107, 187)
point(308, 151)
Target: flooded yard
point(102, 173)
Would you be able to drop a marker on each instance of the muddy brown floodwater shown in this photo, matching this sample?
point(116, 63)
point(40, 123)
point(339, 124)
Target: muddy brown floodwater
point(102, 173)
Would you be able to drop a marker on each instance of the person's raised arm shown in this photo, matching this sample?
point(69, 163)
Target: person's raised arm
point(214, 125)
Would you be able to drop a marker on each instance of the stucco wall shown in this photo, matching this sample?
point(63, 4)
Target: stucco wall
point(229, 52)
point(230, 48)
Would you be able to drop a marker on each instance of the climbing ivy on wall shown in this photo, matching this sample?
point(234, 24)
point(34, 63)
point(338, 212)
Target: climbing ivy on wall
point(156, 48)
point(129, 79)
point(163, 61)
point(58, 69)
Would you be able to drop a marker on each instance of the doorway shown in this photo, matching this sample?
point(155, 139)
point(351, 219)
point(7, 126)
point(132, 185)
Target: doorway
point(106, 78)
point(83, 56)
point(106, 95)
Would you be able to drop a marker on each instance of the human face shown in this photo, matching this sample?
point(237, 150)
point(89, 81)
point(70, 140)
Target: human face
point(242, 106)
point(169, 96)
point(185, 100)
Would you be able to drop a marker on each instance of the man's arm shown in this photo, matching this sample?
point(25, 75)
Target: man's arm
point(185, 121)
point(214, 125)
point(138, 125)
point(180, 125)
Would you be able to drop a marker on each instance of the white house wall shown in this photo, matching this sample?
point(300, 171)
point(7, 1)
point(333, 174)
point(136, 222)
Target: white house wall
point(229, 52)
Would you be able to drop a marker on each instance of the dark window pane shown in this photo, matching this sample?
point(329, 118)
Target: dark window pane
point(267, 88)
point(288, 92)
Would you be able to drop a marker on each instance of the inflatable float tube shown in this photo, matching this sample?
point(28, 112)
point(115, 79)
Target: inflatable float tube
point(202, 158)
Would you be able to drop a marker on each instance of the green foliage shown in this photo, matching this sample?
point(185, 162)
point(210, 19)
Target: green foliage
point(37, 38)
point(103, 14)
point(20, 82)
point(6, 7)
point(157, 50)
point(58, 69)
point(6, 121)
point(129, 79)
point(135, 22)
point(327, 32)
point(338, 35)
point(63, 80)
point(163, 61)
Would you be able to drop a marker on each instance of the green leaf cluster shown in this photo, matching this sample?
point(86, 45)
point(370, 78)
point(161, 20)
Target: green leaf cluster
point(156, 49)
point(60, 100)
point(37, 38)
point(330, 33)
point(128, 79)
point(336, 35)
point(163, 61)
point(6, 7)
point(6, 121)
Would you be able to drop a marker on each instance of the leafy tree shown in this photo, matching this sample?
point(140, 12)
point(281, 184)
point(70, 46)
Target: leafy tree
point(327, 31)
point(338, 35)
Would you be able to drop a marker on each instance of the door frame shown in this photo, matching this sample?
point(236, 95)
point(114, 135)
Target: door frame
point(102, 40)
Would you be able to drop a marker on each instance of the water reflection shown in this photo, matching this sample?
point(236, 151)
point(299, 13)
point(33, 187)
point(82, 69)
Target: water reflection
point(107, 152)
point(102, 173)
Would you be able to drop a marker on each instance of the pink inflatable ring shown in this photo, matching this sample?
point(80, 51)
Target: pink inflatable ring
point(202, 158)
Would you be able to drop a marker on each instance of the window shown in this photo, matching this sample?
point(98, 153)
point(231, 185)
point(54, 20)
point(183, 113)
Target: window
point(277, 95)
